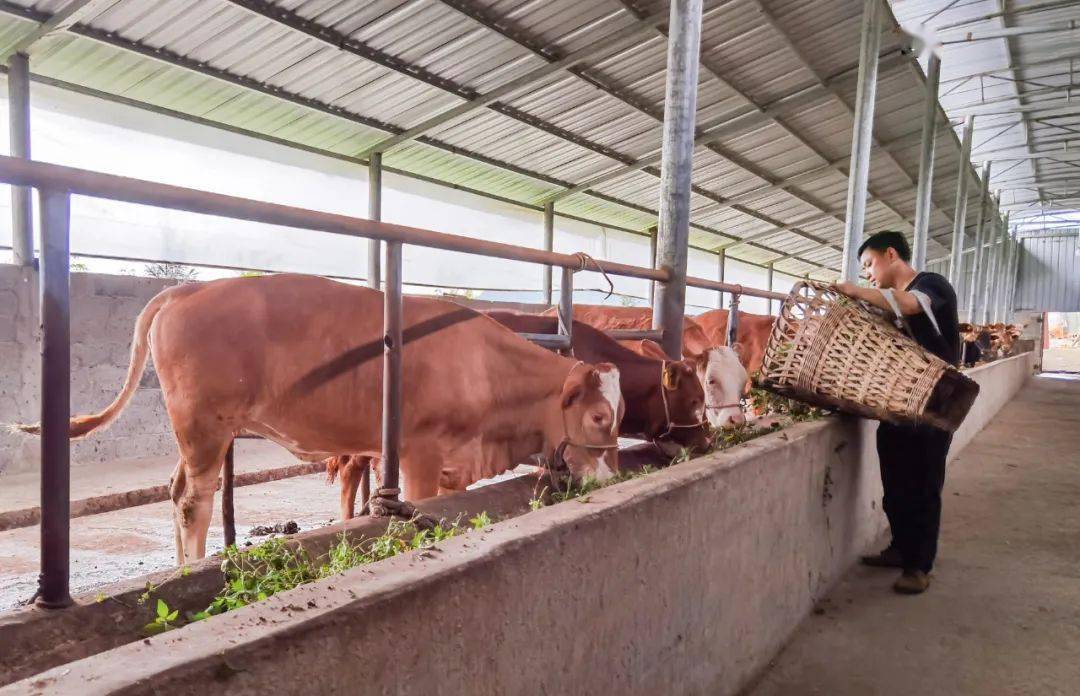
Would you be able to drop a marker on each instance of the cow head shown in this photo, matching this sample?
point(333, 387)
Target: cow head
point(723, 377)
point(592, 409)
point(683, 425)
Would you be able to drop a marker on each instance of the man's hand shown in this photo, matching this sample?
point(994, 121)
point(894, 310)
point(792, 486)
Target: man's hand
point(846, 288)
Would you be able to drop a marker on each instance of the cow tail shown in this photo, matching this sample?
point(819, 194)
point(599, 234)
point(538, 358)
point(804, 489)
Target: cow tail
point(81, 426)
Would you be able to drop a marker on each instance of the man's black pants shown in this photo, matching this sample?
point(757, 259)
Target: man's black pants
point(912, 474)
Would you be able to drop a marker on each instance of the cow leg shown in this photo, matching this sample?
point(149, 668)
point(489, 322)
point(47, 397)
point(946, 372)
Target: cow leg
point(176, 487)
point(352, 474)
point(365, 486)
point(420, 475)
point(193, 491)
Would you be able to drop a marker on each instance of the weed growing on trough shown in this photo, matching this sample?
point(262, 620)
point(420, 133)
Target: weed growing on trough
point(276, 565)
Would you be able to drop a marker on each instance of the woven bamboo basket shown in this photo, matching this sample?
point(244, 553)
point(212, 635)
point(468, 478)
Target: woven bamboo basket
point(835, 352)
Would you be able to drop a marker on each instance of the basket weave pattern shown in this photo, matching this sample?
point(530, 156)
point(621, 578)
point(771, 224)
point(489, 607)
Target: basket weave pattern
point(832, 351)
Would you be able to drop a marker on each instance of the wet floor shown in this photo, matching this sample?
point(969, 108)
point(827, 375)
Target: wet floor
point(134, 541)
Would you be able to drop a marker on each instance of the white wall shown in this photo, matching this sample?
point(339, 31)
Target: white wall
point(123, 140)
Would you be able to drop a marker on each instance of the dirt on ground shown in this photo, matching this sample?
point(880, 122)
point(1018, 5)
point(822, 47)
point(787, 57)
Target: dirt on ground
point(1002, 615)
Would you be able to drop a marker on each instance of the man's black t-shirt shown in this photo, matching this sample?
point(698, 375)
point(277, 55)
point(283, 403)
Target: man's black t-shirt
point(934, 290)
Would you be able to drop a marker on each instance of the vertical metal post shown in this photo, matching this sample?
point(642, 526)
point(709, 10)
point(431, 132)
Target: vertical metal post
point(926, 162)
point(1006, 273)
point(392, 372)
point(992, 259)
point(374, 213)
point(733, 320)
point(22, 220)
point(652, 262)
point(861, 138)
point(977, 265)
point(956, 261)
point(53, 588)
point(549, 245)
point(228, 516)
point(770, 285)
point(1004, 251)
point(680, 107)
point(721, 260)
point(566, 304)
point(1014, 275)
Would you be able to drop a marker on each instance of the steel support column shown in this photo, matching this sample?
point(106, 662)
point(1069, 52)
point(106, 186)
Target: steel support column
point(566, 306)
point(53, 587)
point(374, 272)
point(1014, 272)
point(992, 258)
point(862, 138)
point(977, 266)
point(926, 163)
point(549, 245)
point(721, 261)
point(769, 286)
point(960, 216)
point(680, 106)
point(652, 262)
point(22, 220)
point(1004, 260)
point(392, 371)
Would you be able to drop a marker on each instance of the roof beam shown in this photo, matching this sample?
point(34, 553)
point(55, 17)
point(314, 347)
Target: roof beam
point(172, 59)
point(1012, 66)
point(614, 42)
point(716, 73)
point(71, 14)
point(1025, 9)
point(555, 62)
point(831, 88)
point(1006, 32)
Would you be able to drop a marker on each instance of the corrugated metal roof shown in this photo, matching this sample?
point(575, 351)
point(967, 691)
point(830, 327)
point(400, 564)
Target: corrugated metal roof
point(1012, 64)
point(777, 78)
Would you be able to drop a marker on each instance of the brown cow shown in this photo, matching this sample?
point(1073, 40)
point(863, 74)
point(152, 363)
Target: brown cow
point(722, 375)
point(665, 402)
point(753, 333)
point(719, 369)
point(297, 360)
point(695, 341)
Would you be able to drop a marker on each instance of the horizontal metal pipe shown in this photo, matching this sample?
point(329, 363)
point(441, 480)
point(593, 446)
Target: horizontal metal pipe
point(82, 182)
point(553, 341)
point(635, 334)
point(734, 289)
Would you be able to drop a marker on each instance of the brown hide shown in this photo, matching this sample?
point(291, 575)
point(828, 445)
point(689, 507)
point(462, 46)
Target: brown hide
point(695, 341)
point(298, 360)
point(753, 333)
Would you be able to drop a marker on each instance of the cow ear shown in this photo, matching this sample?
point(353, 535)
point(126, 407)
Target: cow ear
point(672, 376)
point(571, 393)
point(740, 352)
point(576, 384)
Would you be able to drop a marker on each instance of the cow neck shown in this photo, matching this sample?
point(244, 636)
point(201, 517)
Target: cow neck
point(526, 387)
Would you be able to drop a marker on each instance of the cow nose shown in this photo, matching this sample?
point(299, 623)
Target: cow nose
point(736, 419)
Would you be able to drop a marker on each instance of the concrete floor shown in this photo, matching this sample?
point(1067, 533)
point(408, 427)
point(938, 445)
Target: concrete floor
point(23, 490)
point(134, 541)
point(1061, 360)
point(1003, 613)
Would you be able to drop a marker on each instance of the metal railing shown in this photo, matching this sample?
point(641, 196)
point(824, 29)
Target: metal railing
point(56, 184)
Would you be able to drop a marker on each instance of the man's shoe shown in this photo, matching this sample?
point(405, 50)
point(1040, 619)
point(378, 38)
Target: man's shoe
point(889, 558)
point(912, 582)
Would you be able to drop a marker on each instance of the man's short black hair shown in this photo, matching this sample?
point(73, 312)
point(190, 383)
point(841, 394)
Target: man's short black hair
point(880, 241)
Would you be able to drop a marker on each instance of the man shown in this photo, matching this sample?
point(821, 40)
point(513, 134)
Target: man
point(912, 456)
